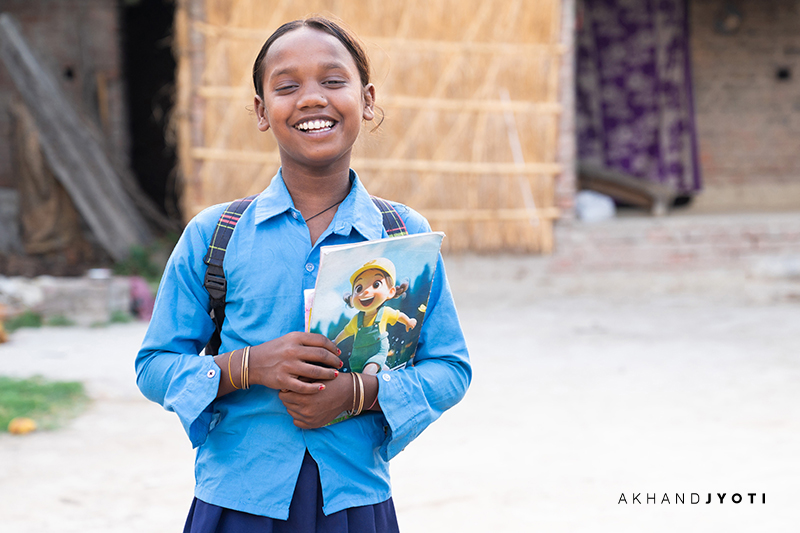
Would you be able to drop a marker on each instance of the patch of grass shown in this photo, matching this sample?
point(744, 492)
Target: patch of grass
point(49, 403)
point(117, 317)
point(120, 317)
point(26, 319)
point(59, 321)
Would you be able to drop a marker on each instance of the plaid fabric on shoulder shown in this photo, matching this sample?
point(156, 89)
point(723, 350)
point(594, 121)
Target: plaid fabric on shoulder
point(222, 233)
point(392, 223)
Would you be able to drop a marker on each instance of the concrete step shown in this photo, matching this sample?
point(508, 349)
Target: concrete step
point(763, 241)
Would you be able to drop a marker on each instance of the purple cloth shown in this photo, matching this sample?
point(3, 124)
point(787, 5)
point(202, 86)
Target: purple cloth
point(305, 514)
point(634, 92)
point(142, 298)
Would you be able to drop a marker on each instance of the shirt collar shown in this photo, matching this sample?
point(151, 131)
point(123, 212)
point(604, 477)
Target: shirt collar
point(357, 211)
point(274, 200)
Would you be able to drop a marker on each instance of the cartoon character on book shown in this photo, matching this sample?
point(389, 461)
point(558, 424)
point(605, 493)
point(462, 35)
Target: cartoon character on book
point(372, 286)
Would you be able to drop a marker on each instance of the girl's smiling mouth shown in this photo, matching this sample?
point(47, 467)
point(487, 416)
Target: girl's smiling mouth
point(315, 125)
point(366, 302)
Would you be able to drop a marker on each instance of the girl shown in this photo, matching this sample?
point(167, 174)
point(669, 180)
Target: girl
point(372, 286)
point(257, 412)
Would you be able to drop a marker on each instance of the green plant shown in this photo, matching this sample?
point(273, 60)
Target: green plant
point(49, 403)
point(26, 319)
point(59, 321)
point(120, 317)
point(148, 261)
point(138, 263)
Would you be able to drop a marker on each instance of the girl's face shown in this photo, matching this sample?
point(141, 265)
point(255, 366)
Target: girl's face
point(371, 289)
point(313, 99)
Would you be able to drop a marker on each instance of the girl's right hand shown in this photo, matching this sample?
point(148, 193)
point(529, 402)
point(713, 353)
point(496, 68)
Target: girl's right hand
point(297, 362)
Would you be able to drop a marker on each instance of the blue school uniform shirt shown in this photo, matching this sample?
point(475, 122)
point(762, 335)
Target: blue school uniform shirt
point(249, 452)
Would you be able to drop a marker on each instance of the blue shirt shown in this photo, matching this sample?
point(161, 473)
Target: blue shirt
point(249, 452)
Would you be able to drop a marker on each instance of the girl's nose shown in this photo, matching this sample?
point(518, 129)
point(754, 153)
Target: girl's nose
point(312, 97)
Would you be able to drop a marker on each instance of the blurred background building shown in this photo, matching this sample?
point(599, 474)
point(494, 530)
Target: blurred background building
point(498, 115)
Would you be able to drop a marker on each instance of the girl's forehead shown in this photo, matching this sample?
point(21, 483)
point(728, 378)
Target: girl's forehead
point(307, 46)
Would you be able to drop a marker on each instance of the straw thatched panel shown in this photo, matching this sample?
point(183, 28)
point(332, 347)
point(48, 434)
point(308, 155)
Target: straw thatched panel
point(469, 89)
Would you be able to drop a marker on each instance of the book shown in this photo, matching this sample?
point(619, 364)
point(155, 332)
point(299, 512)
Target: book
point(371, 297)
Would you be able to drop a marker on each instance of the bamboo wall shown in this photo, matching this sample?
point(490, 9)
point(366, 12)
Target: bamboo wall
point(469, 89)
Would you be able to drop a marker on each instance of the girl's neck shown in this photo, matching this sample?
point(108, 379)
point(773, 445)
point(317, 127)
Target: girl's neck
point(313, 190)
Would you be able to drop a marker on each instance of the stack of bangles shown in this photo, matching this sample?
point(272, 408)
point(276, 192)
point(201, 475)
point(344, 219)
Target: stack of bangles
point(358, 396)
point(245, 370)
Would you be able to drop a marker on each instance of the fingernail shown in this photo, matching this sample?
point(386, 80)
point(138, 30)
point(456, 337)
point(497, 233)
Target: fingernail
point(336, 373)
point(341, 363)
point(338, 351)
point(322, 387)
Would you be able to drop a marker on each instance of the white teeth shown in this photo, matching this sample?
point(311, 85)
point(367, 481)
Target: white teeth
point(315, 125)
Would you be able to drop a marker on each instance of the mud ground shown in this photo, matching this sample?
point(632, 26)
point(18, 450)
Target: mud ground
point(587, 387)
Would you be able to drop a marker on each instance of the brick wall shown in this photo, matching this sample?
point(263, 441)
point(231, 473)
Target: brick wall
point(80, 41)
point(748, 120)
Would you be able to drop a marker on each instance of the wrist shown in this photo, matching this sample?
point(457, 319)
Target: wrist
point(371, 388)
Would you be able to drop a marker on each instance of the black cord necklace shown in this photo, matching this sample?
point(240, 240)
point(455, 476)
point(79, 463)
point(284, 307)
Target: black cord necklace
point(324, 210)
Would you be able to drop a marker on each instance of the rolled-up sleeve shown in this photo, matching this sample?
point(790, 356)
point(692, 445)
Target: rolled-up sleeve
point(413, 398)
point(169, 370)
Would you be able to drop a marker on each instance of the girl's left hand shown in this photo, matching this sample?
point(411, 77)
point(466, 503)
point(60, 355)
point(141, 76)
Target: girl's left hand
point(311, 411)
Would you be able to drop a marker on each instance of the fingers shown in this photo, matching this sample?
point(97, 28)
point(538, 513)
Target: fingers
point(302, 387)
point(315, 339)
point(327, 352)
point(296, 361)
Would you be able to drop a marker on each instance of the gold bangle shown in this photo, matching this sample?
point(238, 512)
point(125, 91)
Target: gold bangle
point(353, 410)
point(246, 368)
point(360, 395)
point(241, 368)
point(230, 376)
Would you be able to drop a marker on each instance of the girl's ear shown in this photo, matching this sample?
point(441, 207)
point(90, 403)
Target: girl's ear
point(369, 102)
point(261, 113)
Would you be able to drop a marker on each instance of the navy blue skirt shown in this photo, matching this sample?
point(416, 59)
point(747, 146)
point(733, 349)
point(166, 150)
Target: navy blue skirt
point(305, 514)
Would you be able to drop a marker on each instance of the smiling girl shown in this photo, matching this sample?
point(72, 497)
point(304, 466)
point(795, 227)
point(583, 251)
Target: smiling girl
point(373, 286)
point(257, 412)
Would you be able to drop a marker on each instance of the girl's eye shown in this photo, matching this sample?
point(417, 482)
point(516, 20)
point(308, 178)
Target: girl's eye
point(358, 288)
point(376, 285)
point(334, 83)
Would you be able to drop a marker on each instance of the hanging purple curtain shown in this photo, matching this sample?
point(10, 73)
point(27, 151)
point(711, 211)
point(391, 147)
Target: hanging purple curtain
point(634, 90)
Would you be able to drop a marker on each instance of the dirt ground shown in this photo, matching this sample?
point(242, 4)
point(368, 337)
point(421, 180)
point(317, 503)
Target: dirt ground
point(586, 388)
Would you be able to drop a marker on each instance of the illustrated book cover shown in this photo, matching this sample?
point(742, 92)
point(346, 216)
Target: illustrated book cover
point(371, 297)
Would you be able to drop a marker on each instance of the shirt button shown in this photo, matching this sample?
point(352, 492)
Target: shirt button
point(387, 377)
point(310, 267)
point(211, 373)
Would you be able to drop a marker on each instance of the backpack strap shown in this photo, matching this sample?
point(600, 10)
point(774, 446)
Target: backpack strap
point(214, 281)
point(392, 222)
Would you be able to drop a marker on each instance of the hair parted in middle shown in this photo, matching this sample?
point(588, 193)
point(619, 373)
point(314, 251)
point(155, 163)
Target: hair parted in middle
point(343, 35)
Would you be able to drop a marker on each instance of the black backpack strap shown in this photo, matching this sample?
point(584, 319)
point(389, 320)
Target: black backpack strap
point(214, 281)
point(392, 222)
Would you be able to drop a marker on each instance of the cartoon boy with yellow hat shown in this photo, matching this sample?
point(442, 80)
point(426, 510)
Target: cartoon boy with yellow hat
point(373, 286)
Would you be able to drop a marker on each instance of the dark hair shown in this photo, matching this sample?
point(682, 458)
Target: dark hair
point(346, 37)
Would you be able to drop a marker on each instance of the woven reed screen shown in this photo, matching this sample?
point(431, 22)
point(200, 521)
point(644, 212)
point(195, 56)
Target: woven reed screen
point(469, 89)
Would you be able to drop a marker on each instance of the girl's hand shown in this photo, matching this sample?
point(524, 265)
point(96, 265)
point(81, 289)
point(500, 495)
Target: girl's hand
point(315, 410)
point(296, 362)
